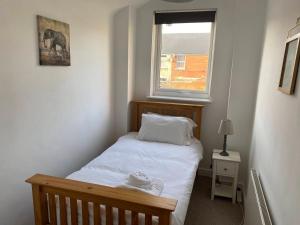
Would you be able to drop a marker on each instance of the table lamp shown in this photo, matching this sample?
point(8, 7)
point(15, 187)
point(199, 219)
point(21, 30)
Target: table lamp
point(226, 128)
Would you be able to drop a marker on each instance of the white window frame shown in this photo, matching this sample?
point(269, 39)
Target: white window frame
point(156, 91)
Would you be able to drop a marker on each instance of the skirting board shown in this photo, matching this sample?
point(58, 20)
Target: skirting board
point(204, 172)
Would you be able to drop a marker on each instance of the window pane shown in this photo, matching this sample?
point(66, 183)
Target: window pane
point(185, 51)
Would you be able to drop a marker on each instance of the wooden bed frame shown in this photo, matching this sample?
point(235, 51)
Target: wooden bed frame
point(47, 191)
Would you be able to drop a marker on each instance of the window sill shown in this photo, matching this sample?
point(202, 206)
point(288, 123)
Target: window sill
point(200, 100)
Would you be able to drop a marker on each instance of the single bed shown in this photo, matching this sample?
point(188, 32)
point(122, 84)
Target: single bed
point(175, 165)
point(91, 195)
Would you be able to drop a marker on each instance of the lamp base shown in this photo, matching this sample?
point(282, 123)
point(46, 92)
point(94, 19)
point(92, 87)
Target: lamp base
point(224, 153)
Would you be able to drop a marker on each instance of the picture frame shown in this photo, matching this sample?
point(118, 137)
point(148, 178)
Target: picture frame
point(53, 42)
point(290, 66)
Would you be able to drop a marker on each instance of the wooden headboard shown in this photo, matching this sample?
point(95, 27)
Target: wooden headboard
point(192, 111)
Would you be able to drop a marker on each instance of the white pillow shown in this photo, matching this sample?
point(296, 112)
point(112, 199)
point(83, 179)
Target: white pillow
point(191, 123)
point(169, 129)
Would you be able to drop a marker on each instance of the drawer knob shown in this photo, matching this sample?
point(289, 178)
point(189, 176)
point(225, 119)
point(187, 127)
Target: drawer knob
point(225, 169)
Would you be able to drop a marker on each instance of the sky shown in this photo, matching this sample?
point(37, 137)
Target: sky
point(186, 28)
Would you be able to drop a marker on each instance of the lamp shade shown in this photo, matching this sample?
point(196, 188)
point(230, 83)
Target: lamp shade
point(226, 127)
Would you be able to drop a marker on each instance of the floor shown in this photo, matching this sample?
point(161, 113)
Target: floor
point(203, 211)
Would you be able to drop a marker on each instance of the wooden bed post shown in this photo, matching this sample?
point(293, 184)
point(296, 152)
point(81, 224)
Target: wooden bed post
point(39, 205)
point(198, 116)
point(134, 116)
point(164, 219)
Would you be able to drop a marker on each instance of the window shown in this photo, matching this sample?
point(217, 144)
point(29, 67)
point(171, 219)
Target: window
point(182, 54)
point(180, 62)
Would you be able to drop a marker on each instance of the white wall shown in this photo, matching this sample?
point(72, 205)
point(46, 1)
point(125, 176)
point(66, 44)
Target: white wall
point(124, 59)
point(52, 119)
point(120, 68)
point(248, 39)
point(275, 142)
point(222, 63)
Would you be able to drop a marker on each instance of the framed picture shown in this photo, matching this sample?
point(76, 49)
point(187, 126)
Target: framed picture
point(54, 42)
point(290, 65)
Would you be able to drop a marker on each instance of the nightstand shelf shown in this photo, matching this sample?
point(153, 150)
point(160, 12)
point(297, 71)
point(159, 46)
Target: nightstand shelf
point(226, 166)
point(223, 190)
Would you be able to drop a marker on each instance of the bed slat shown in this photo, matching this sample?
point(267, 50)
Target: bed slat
point(74, 212)
point(109, 215)
point(121, 215)
point(63, 210)
point(85, 213)
point(45, 206)
point(97, 219)
point(134, 218)
point(148, 219)
point(52, 209)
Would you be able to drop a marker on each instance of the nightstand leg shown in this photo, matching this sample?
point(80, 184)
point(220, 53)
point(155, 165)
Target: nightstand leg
point(213, 188)
point(213, 184)
point(234, 190)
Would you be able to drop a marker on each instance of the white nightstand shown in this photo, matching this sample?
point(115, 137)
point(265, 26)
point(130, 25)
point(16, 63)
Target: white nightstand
point(227, 166)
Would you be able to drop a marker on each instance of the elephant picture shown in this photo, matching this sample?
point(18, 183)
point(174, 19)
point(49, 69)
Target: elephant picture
point(54, 42)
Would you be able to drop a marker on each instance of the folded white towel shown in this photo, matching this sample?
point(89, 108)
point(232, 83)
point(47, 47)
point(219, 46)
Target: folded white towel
point(141, 182)
point(138, 179)
point(155, 187)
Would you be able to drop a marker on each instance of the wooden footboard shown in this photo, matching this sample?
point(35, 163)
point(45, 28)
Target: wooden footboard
point(48, 191)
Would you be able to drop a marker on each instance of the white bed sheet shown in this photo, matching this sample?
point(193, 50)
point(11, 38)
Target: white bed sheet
point(175, 165)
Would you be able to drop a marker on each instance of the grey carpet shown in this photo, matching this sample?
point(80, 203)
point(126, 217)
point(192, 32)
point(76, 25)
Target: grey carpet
point(203, 211)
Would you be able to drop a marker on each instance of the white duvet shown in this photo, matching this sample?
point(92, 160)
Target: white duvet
point(175, 165)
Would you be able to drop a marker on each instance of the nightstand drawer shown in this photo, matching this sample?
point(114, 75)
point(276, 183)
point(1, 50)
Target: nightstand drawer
point(225, 168)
